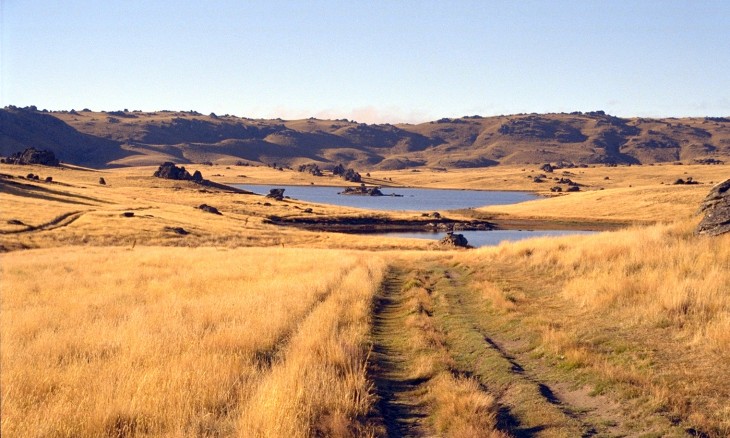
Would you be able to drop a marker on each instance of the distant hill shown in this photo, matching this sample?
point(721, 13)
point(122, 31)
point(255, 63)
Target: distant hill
point(124, 138)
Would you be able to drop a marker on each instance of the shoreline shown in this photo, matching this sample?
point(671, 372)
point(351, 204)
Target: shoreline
point(380, 224)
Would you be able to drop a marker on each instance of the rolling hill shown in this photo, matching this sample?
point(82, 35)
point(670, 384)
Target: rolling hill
point(129, 138)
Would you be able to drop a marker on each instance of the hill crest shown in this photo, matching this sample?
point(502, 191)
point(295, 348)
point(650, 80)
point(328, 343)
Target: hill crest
point(126, 138)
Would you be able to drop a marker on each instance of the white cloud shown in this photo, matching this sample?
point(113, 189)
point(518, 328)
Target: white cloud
point(364, 114)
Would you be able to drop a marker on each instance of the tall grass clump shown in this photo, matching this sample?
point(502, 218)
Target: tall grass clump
point(319, 385)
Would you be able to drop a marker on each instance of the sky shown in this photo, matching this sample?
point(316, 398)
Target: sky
point(370, 61)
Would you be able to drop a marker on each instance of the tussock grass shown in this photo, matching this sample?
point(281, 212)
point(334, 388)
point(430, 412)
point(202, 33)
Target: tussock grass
point(642, 311)
point(173, 342)
point(462, 409)
point(319, 387)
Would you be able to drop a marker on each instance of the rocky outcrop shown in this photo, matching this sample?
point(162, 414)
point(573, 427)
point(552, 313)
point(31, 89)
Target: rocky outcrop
point(455, 240)
point(716, 208)
point(33, 156)
point(277, 194)
point(169, 170)
point(688, 181)
point(362, 190)
point(311, 168)
point(346, 174)
point(542, 128)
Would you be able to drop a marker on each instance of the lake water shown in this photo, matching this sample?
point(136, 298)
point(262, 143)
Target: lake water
point(413, 199)
point(492, 237)
point(422, 200)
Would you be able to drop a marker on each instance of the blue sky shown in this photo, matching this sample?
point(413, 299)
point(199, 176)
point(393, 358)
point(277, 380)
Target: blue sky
point(375, 61)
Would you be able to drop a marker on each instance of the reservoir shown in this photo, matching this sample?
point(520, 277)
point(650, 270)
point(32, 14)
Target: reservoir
point(430, 200)
point(491, 237)
point(411, 199)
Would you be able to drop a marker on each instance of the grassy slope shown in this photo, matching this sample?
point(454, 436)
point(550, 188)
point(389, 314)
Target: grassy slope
point(157, 204)
point(136, 138)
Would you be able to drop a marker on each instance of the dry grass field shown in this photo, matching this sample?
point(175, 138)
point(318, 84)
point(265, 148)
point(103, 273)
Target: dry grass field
point(185, 342)
point(119, 326)
point(643, 313)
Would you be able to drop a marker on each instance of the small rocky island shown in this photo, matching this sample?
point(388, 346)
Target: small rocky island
point(363, 190)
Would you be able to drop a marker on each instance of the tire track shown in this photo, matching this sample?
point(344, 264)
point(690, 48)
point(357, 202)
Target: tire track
point(463, 306)
point(266, 357)
point(398, 404)
point(63, 220)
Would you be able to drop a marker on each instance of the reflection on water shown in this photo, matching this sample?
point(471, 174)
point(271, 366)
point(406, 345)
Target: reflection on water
point(491, 238)
point(412, 199)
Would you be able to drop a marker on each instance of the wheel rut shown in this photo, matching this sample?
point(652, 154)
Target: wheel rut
point(398, 393)
point(531, 404)
point(63, 220)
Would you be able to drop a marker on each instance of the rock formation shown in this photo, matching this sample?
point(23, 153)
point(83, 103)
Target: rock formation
point(169, 170)
point(277, 194)
point(33, 156)
point(455, 240)
point(362, 190)
point(716, 208)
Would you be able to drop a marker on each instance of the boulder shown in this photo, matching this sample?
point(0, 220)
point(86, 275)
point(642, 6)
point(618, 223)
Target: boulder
point(33, 156)
point(277, 194)
point(689, 181)
point(177, 230)
point(547, 167)
point(455, 240)
point(102, 181)
point(209, 209)
point(716, 208)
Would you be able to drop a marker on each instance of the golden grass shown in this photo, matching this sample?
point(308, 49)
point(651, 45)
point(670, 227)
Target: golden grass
point(159, 205)
point(137, 339)
point(644, 310)
point(173, 342)
point(462, 409)
point(320, 386)
point(519, 177)
point(634, 204)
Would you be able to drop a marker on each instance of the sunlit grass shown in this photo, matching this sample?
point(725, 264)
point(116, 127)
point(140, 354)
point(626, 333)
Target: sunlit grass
point(165, 341)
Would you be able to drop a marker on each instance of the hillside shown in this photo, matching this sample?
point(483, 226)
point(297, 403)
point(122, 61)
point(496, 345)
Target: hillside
point(129, 138)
